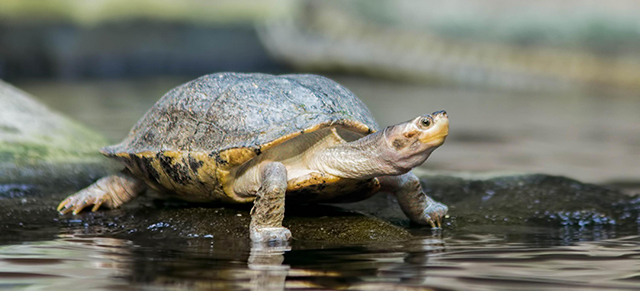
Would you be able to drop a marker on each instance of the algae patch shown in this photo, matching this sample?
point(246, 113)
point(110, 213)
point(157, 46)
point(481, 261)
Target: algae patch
point(35, 141)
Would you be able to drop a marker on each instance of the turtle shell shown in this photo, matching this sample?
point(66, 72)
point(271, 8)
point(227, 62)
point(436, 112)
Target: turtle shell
point(193, 138)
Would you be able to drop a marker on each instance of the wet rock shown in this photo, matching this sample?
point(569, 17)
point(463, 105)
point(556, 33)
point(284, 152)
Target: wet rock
point(172, 220)
point(518, 199)
point(308, 223)
point(41, 147)
point(533, 199)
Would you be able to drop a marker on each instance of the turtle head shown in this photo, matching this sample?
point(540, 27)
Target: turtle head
point(410, 143)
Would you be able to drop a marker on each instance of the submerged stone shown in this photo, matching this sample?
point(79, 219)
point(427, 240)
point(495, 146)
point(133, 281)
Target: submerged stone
point(41, 147)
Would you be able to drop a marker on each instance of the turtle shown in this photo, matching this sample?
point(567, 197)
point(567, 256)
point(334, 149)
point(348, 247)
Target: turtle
point(260, 138)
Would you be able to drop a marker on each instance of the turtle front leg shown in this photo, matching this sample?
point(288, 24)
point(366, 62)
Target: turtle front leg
point(268, 208)
point(419, 207)
point(111, 191)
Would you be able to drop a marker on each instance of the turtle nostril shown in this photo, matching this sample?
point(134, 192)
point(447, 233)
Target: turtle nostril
point(441, 112)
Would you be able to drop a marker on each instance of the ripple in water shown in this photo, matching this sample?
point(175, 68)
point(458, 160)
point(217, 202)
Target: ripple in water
point(535, 260)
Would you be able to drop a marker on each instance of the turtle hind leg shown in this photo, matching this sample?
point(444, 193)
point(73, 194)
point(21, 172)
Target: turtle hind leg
point(268, 208)
point(111, 191)
point(415, 204)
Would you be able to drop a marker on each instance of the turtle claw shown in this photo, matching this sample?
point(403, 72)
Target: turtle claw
point(66, 205)
point(432, 223)
point(97, 204)
point(111, 191)
point(77, 202)
point(435, 213)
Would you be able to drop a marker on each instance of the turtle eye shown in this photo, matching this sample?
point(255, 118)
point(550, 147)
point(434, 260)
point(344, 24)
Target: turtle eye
point(425, 122)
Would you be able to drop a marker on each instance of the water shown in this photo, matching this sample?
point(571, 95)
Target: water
point(539, 259)
point(586, 137)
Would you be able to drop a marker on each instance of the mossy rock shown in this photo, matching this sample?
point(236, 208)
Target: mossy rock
point(39, 146)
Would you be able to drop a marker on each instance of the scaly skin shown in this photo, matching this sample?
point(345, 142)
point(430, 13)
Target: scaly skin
point(389, 155)
point(111, 191)
point(268, 208)
point(392, 151)
point(415, 204)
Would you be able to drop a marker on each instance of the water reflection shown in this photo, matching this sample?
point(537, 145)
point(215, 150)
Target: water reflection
point(266, 263)
point(490, 264)
point(67, 263)
point(465, 261)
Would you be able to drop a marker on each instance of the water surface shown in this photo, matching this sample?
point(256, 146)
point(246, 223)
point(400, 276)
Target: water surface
point(487, 259)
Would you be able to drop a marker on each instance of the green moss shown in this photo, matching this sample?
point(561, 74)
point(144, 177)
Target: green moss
point(19, 152)
point(72, 142)
point(24, 153)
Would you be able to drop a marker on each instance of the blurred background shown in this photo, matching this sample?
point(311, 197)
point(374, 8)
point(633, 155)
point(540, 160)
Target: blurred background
point(536, 86)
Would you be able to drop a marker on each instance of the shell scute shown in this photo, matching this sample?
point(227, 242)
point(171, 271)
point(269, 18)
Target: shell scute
point(176, 167)
point(229, 110)
point(197, 133)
